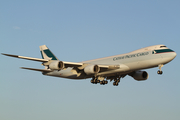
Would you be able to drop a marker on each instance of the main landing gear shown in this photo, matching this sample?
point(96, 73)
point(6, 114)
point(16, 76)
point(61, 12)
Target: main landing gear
point(116, 81)
point(95, 81)
point(101, 80)
point(160, 72)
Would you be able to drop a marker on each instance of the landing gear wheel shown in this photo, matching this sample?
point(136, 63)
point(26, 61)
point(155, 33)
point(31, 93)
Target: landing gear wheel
point(104, 82)
point(117, 84)
point(114, 83)
point(159, 72)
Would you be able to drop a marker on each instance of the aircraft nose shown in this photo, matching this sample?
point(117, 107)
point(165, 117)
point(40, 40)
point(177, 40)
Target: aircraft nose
point(174, 54)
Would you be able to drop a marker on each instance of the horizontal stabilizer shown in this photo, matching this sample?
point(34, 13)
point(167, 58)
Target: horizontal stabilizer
point(27, 58)
point(40, 70)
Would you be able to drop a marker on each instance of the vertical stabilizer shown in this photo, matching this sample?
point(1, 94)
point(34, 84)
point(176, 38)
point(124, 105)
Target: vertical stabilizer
point(46, 53)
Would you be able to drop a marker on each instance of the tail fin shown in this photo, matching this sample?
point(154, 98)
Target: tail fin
point(46, 53)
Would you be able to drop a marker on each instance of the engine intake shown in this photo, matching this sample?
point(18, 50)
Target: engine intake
point(91, 69)
point(140, 75)
point(56, 65)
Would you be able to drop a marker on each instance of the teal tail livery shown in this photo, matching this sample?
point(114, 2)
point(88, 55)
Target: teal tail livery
point(101, 70)
point(46, 53)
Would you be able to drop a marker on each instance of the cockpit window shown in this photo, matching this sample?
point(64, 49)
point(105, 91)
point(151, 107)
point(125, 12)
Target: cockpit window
point(162, 46)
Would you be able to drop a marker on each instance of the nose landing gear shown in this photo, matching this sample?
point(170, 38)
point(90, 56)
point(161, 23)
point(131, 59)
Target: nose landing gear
point(160, 72)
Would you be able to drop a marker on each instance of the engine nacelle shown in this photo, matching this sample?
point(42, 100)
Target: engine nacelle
point(56, 65)
point(91, 69)
point(140, 75)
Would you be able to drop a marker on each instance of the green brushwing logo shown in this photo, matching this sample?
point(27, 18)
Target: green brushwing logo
point(49, 54)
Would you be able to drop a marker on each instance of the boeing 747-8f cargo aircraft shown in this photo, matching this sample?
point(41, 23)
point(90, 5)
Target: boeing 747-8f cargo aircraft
point(109, 68)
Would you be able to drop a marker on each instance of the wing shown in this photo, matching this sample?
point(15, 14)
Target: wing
point(40, 70)
point(114, 70)
point(67, 64)
point(101, 69)
point(27, 58)
point(96, 69)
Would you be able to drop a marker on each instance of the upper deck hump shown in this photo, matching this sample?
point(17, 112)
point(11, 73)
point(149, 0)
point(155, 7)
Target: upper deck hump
point(147, 48)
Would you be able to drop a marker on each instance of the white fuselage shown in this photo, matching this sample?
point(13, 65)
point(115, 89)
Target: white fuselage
point(140, 59)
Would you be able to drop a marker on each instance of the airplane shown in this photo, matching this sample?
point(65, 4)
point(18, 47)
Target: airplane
point(101, 70)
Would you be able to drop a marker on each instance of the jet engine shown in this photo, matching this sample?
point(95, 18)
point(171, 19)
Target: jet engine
point(140, 75)
point(91, 69)
point(56, 65)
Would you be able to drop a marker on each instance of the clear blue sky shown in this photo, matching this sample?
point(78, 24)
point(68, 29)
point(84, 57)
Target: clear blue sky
point(78, 30)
